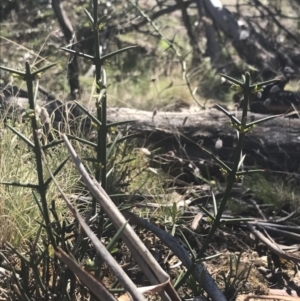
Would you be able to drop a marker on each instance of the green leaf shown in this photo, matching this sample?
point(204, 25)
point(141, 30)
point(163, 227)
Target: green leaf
point(94, 119)
point(263, 120)
point(256, 89)
point(13, 71)
point(84, 141)
point(22, 257)
point(235, 220)
point(112, 243)
point(225, 167)
point(114, 240)
point(89, 16)
point(111, 147)
point(236, 88)
point(27, 141)
point(120, 123)
point(86, 56)
point(214, 204)
point(206, 212)
point(258, 85)
point(93, 160)
point(123, 139)
point(203, 179)
point(233, 119)
point(109, 55)
point(207, 258)
point(109, 172)
point(52, 144)
point(247, 172)
point(17, 184)
point(100, 97)
point(241, 162)
point(231, 79)
point(101, 22)
point(188, 245)
point(38, 203)
point(126, 161)
point(59, 168)
point(39, 71)
point(244, 78)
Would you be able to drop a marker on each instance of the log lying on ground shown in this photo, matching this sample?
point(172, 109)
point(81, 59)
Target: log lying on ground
point(274, 144)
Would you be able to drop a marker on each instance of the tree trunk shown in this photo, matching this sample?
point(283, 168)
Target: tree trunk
point(250, 44)
point(67, 29)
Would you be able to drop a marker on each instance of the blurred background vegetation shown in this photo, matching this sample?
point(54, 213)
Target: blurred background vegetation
point(155, 75)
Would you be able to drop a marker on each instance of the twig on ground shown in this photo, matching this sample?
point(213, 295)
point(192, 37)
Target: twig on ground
point(272, 246)
point(140, 253)
point(208, 283)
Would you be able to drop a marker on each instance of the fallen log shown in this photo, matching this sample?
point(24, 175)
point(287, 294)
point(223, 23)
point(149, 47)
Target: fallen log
point(271, 145)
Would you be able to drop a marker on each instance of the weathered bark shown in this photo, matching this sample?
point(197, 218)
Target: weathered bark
point(193, 40)
point(273, 145)
point(250, 44)
point(213, 47)
point(67, 29)
point(223, 18)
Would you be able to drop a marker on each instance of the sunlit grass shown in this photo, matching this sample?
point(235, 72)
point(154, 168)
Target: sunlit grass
point(20, 215)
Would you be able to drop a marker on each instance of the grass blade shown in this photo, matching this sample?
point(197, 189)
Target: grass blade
point(27, 141)
point(233, 119)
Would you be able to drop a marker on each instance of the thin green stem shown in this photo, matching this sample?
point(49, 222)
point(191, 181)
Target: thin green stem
point(103, 143)
point(100, 174)
point(231, 180)
point(38, 155)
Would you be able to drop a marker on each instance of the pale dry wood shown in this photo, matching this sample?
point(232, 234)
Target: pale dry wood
point(87, 279)
point(272, 246)
point(94, 285)
point(272, 145)
point(266, 297)
point(140, 253)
